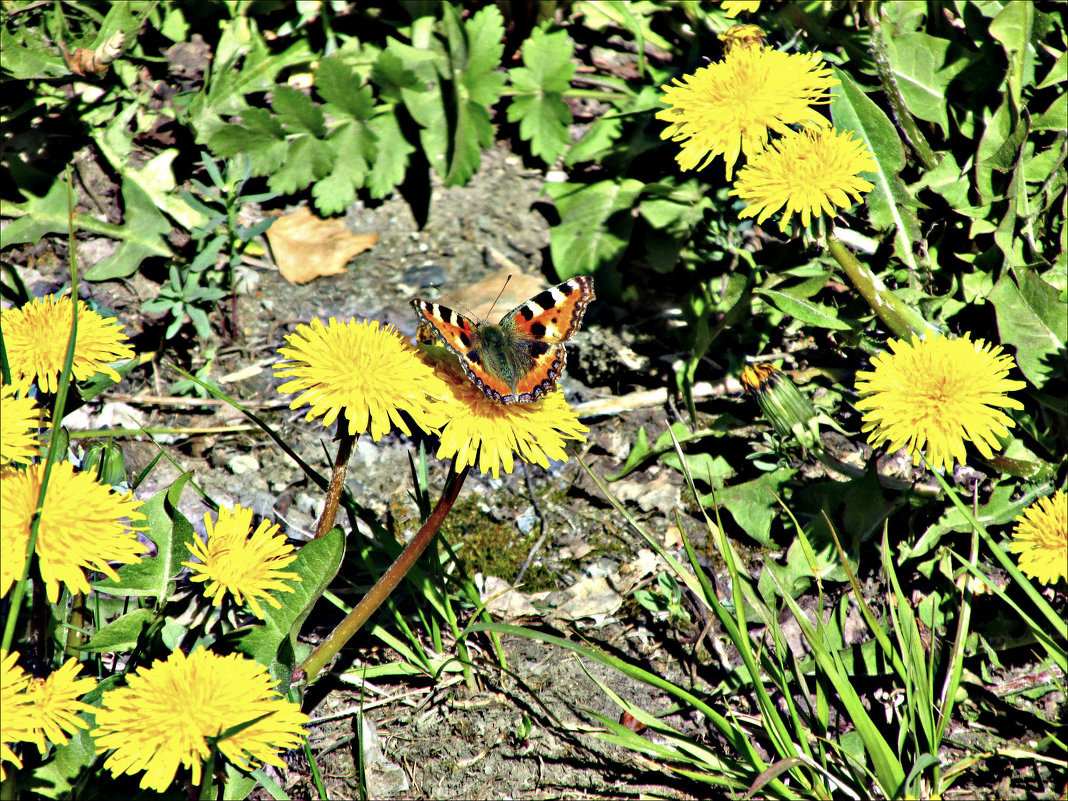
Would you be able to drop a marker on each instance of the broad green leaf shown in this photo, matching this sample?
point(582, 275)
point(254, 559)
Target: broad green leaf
point(316, 563)
point(992, 148)
point(142, 234)
point(804, 310)
point(1013, 29)
point(923, 73)
point(171, 532)
point(586, 240)
point(947, 180)
point(58, 777)
point(26, 58)
point(889, 203)
point(1054, 118)
point(122, 634)
point(752, 504)
point(1033, 319)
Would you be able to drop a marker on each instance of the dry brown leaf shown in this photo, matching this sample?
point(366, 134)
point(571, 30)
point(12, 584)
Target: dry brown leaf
point(305, 246)
point(477, 299)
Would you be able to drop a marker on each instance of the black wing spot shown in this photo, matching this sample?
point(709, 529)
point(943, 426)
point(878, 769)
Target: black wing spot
point(538, 330)
point(545, 299)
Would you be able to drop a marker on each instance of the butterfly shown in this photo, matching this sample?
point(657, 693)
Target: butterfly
point(519, 359)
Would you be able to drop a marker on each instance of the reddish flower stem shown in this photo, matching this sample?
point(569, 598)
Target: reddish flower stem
point(328, 648)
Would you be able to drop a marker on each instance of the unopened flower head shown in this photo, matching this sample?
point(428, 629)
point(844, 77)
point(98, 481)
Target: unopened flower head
point(483, 432)
point(371, 374)
point(248, 567)
point(729, 107)
point(163, 718)
point(84, 526)
point(812, 173)
point(20, 419)
point(1041, 539)
point(783, 405)
point(933, 395)
point(36, 337)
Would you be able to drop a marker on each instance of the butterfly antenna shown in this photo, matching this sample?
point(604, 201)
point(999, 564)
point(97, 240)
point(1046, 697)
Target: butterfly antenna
point(503, 287)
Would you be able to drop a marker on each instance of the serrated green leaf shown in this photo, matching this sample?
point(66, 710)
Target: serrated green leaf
point(297, 112)
point(584, 241)
point(537, 104)
point(243, 63)
point(889, 203)
point(258, 135)
point(307, 159)
point(38, 215)
point(142, 233)
point(354, 148)
point(122, 634)
point(171, 532)
point(391, 163)
point(923, 74)
point(804, 310)
point(316, 563)
point(339, 85)
point(547, 65)
point(484, 34)
point(1033, 319)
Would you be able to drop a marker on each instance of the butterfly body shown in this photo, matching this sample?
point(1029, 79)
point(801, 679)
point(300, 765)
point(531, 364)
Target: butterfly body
point(519, 359)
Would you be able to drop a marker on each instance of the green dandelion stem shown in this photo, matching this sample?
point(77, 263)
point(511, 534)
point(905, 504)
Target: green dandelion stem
point(375, 597)
point(902, 320)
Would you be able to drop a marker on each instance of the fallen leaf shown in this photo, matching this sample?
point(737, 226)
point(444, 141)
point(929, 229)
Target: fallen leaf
point(480, 299)
point(305, 246)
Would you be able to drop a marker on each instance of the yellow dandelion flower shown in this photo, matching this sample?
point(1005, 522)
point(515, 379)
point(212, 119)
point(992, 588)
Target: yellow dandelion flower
point(728, 107)
point(164, 717)
point(232, 561)
point(483, 432)
point(82, 528)
point(16, 710)
point(19, 420)
point(56, 705)
point(935, 394)
point(36, 335)
point(743, 36)
point(371, 374)
point(810, 173)
point(1041, 538)
point(735, 7)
